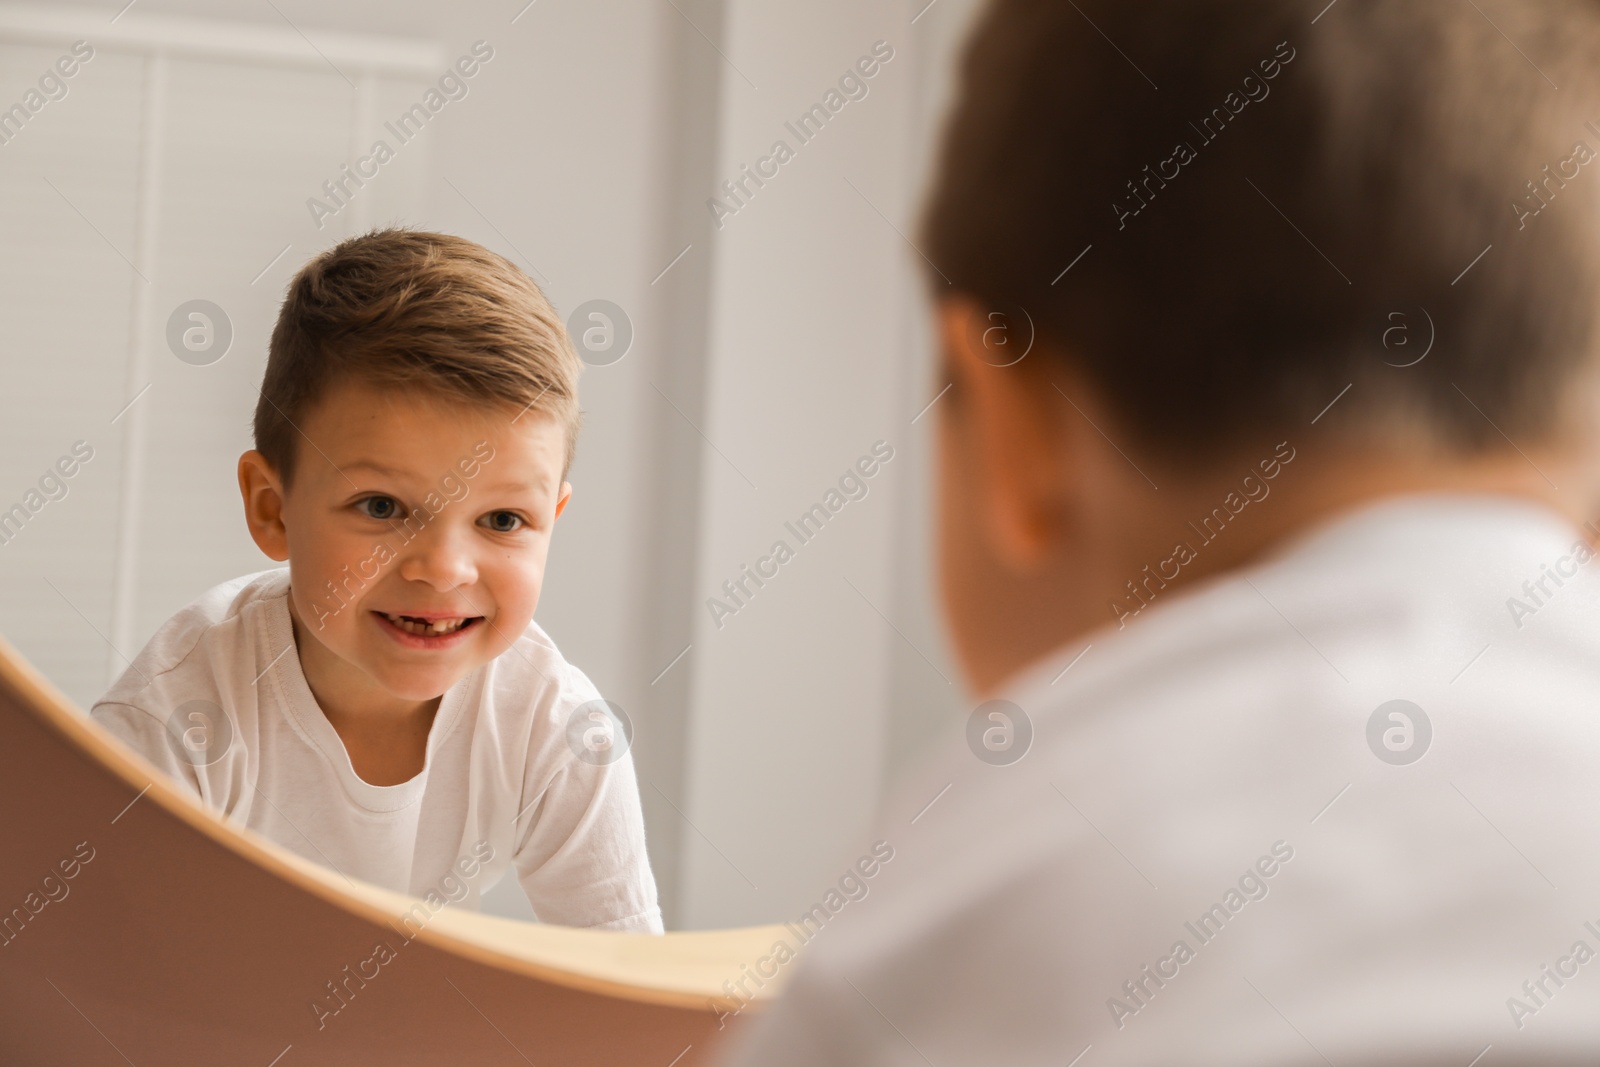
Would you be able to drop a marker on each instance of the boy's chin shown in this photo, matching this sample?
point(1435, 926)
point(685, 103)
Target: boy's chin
point(415, 682)
point(420, 685)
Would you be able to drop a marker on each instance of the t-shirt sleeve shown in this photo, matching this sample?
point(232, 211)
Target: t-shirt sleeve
point(147, 735)
point(580, 852)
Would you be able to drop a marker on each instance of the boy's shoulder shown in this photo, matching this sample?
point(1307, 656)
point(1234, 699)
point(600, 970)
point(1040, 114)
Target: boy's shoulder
point(223, 610)
point(534, 662)
point(534, 674)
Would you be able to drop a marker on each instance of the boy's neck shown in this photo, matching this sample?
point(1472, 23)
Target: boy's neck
point(1071, 598)
point(347, 698)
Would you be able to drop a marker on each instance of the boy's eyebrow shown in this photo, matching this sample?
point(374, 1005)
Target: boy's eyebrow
point(376, 468)
point(391, 472)
point(515, 487)
point(509, 492)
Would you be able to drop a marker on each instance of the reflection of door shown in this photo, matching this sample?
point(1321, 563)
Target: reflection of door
point(176, 163)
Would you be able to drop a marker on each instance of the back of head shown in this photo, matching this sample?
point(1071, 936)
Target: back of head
point(1267, 201)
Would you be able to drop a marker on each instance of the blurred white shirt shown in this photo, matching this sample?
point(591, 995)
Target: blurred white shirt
point(1204, 778)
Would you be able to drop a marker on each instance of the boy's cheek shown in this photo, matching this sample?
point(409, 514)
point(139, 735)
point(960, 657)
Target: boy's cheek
point(323, 593)
point(523, 601)
point(515, 589)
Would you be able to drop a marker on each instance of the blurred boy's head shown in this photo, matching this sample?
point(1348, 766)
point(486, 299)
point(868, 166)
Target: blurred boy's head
point(1213, 219)
point(416, 423)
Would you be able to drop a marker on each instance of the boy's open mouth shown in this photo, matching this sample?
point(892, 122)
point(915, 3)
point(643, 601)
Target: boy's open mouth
point(422, 627)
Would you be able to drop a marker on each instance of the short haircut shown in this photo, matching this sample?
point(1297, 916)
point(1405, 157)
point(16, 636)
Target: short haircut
point(413, 310)
point(1346, 167)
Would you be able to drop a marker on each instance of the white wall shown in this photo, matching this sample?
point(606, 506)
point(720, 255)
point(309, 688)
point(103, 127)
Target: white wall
point(790, 339)
point(805, 368)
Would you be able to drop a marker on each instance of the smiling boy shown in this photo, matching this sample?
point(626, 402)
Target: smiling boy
point(415, 427)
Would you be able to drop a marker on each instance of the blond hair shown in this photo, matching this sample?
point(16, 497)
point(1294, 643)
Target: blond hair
point(411, 309)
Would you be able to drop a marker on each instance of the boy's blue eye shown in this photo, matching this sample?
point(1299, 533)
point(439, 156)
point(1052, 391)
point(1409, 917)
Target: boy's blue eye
point(379, 507)
point(503, 521)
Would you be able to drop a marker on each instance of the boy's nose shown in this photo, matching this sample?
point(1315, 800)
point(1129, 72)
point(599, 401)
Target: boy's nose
point(442, 558)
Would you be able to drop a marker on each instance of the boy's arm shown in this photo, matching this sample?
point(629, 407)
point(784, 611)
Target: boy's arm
point(580, 849)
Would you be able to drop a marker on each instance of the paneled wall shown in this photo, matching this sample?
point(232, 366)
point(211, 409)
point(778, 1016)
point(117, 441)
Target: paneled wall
point(173, 165)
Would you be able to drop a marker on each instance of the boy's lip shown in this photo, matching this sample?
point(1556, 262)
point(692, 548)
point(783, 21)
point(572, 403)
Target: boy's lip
point(431, 642)
point(428, 616)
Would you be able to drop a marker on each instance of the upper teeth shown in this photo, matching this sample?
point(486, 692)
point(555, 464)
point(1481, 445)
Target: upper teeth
point(412, 626)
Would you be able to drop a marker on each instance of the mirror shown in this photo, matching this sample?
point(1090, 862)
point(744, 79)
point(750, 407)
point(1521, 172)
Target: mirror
point(718, 200)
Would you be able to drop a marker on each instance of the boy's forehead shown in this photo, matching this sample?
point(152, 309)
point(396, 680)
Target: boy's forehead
point(405, 433)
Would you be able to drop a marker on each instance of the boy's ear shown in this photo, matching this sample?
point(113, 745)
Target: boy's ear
point(1011, 420)
point(263, 505)
point(566, 495)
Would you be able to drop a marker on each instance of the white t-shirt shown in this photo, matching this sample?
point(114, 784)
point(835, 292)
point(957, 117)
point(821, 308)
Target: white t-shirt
point(501, 786)
point(1204, 778)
